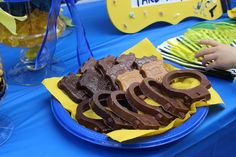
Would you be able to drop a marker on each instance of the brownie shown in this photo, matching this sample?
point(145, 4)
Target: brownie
point(139, 62)
point(68, 85)
point(126, 79)
point(92, 81)
point(127, 59)
point(90, 64)
point(155, 70)
point(104, 64)
point(114, 71)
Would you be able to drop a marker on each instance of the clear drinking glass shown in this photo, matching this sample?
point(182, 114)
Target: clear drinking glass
point(24, 24)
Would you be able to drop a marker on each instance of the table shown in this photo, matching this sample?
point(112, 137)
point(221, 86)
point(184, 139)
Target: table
point(37, 133)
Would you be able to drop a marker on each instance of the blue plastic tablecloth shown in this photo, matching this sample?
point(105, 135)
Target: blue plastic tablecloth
point(37, 133)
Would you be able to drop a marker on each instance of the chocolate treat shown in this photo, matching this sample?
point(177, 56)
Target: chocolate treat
point(94, 124)
point(68, 85)
point(2, 82)
point(90, 64)
point(133, 94)
point(153, 90)
point(127, 59)
point(189, 95)
point(120, 106)
point(99, 105)
point(154, 70)
point(104, 64)
point(116, 70)
point(2, 87)
point(139, 62)
point(126, 79)
point(93, 82)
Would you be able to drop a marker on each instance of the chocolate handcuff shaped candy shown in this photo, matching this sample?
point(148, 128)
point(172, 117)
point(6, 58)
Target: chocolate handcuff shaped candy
point(120, 106)
point(188, 95)
point(132, 95)
point(94, 124)
point(152, 90)
point(98, 104)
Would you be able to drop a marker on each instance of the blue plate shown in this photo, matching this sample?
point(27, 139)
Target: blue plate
point(80, 131)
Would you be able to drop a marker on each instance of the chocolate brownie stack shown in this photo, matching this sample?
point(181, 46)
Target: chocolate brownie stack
point(109, 74)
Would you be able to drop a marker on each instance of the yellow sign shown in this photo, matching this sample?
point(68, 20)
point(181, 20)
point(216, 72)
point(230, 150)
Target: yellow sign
point(131, 16)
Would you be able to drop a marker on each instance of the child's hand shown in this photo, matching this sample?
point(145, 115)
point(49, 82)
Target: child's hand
point(219, 56)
